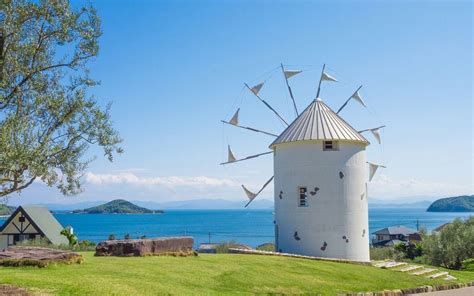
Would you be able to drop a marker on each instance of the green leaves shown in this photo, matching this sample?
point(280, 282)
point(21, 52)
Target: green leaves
point(452, 245)
point(47, 119)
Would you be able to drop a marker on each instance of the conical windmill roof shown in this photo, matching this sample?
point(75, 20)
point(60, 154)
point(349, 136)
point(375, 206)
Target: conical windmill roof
point(319, 122)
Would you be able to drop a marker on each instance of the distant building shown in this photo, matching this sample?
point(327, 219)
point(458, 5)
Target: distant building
point(207, 248)
point(441, 227)
point(29, 223)
point(393, 235)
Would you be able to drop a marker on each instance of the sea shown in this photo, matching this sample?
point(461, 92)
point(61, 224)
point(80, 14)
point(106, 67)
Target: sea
point(249, 227)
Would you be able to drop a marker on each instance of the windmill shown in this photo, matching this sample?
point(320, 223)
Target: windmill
point(320, 186)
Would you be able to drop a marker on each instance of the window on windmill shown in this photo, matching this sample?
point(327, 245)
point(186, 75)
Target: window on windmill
point(21, 219)
point(302, 197)
point(330, 146)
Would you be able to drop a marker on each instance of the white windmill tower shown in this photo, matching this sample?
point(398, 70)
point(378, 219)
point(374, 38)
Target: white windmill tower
point(319, 180)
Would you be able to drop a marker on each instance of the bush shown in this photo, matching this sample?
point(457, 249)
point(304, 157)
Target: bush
point(452, 245)
point(468, 265)
point(42, 242)
point(224, 247)
point(127, 236)
point(111, 237)
point(267, 247)
point(85, 245)
point(408, 251)
point(72, 238)
point(382, 253)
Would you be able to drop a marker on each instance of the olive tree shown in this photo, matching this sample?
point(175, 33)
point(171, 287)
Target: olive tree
point(48, 118)
point(452, 245)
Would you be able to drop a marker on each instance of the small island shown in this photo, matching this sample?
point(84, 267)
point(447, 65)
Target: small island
point(117, 206)
point(463, 203)
point(6, 210)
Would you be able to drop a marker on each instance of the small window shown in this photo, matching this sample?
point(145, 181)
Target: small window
point(330, 146)
point(302, 197)
point(21, 219)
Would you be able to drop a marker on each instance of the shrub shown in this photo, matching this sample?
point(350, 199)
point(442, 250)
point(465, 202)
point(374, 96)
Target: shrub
point(72, 238)
point(224, 247)
point(382, 253)
point(468, 265)
point(127, 236)
point(452, 245)
point(408, 251)
point(111, 237)
point(85, 245)
point(42, 242)
point(267, 247)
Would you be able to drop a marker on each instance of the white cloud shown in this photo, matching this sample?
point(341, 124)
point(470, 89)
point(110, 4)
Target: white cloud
point(386, 188)
point(169, 181)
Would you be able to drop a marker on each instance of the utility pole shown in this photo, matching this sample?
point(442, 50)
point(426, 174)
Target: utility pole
point(209, 234)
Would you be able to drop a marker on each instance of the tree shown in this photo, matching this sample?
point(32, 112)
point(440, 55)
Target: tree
point(452, 245)
point(48, 119)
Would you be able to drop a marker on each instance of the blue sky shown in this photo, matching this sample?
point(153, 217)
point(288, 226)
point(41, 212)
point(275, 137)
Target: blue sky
point(174, 69)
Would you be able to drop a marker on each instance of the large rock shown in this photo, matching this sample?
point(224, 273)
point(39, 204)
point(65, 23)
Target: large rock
point(36, 256)
point(182, 246)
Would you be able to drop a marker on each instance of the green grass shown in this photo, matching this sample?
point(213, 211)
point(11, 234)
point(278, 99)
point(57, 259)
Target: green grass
point(209, 274)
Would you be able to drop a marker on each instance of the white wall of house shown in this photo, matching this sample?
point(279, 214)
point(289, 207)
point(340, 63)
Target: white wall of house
point(334, 223)
point(12, 229)
point(3, 242)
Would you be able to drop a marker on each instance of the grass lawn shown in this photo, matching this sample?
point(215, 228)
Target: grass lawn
point(210, 274)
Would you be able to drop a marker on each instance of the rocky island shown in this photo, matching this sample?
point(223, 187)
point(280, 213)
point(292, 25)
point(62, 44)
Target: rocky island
point(463, 203)
point(6, 210)
point(117, 206)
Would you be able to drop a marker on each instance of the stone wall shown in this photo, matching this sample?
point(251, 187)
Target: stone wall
point(182, 246)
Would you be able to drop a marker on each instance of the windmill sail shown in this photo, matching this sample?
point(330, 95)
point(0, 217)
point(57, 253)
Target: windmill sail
point(327, 77)
point(256, 89)
point(291, 73)
point(232, 159)
point(230, 155)
point(252, 195)
point(372, 169)
point(356, 96)
point(249, 193)
point(235, 119)
point(376, 134)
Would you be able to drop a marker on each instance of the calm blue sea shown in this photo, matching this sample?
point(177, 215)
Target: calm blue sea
point(250, 227)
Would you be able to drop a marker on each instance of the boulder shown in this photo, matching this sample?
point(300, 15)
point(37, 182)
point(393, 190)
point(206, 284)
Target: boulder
point(37, 256)
point(181, 246)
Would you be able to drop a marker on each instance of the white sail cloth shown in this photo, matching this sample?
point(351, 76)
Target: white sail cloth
point(249, 193)
point(373, 168)
point(327, 77)
point(356, 96)
point(256, 89)
point(235, 119)
point(291, 73)
point(376, 133)
point(230, 156)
